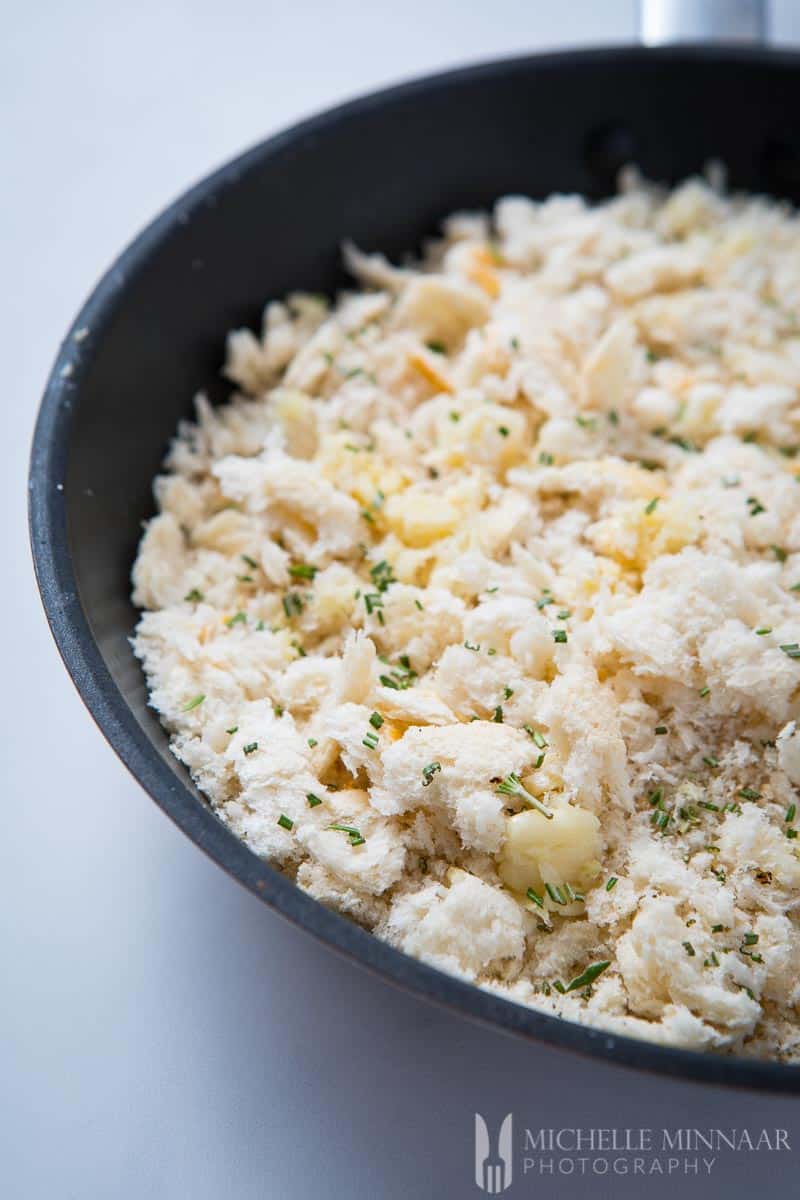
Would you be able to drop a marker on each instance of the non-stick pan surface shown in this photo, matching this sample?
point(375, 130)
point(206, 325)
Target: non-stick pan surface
point(383, 171)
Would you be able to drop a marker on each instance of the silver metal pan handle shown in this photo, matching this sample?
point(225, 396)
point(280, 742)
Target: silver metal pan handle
point(664, 21)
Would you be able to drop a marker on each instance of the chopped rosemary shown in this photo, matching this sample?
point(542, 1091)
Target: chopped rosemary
point(428, 773)
point(376, 720)
point(546, 459)
point(750, 939)
point(511, 786)
point(587, 977)
point(748, 793)
point(233, 729)
point(704, 691)
point(370, 740)
point(560, 636)
point(497, 716)
point(302, 571)
point(312, 742)
point(198, 700)
point(251, 562)
point(612, 883)
point(660, 730)
point(353, 834)
point(292, 604)
point(250, 747)
point(790, 814)
point(651, 506)
point(238, 618)
point(710, 760)
point(503, 430)
point(313, 800)
point(535, 897)
point(194, 595)
point(285, 822)
point(689, 948)
point(381, 575)
point(791, 649)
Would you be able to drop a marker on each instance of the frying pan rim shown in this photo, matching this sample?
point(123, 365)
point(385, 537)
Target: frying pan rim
point(83, 659)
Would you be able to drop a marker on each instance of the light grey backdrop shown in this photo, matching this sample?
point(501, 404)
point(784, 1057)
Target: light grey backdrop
point(161, 1033)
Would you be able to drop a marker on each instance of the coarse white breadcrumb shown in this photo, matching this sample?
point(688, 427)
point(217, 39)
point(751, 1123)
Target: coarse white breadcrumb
point(476, 609)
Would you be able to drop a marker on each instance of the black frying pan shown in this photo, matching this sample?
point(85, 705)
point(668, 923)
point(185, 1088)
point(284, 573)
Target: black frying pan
point(383, 171)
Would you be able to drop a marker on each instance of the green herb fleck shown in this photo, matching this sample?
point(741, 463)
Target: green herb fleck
point(198, 700)
point(302, 571)
point(428, 773)
point(382, 575)
point(511, 786)
point(353, 834)
point(292, 604)
point(587, 977)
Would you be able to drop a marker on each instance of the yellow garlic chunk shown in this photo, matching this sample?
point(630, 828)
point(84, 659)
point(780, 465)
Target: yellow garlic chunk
point(420, 518)
point(564, 849)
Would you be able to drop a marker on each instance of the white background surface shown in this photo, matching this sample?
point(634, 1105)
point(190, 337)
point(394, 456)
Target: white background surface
point(161, 1033)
